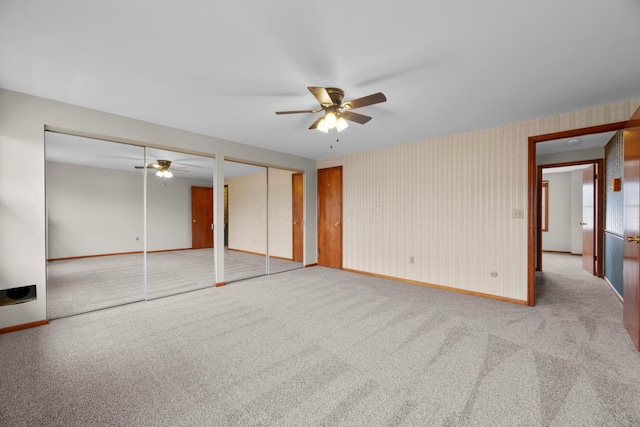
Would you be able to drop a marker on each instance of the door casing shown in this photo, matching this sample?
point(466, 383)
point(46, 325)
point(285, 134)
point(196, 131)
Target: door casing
point(534, 189)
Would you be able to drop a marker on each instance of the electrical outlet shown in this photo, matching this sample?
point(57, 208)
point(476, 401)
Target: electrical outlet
point(518, 213)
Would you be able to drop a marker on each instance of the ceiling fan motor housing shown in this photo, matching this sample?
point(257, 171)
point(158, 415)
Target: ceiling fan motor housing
point(336, 95)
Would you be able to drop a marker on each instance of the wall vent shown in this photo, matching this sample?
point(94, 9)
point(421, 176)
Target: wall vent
point(17, 295)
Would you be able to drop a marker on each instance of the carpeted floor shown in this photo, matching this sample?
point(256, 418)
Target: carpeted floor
point(87, 284)
point(325, 347)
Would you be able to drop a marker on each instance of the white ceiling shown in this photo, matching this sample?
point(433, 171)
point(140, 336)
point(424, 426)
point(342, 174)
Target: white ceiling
point(583, 142)
point(224, 68)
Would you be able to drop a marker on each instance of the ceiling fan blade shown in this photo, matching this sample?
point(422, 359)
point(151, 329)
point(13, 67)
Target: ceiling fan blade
point(139, 167)
point(321, 95)
point(316, 123)
point(297, 111)
point(154, 166)
point(375, 98)
point(355, 117)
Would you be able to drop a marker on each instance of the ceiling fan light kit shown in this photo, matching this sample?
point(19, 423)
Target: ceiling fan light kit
point(163, 168)
point(330, 100)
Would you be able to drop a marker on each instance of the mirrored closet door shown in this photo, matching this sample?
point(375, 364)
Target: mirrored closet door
point(286, 201)
point(179, 213)
point(245, 221)
point(94, 224)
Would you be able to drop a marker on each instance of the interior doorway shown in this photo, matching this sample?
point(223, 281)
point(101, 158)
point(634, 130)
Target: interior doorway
point(535, 190)
point(570, 212)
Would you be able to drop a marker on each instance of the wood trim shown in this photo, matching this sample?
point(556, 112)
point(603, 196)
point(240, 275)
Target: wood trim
point(118, 253)
point(545, 214)
point(613, 289)
point(444, 288)
point(532, 223)
point(246, 252)
point(561, 252)
point(315, 264)
point(23, 326)
point(609, 127)
point(219, 284)
point(576, 163)
point(280, 257)
point(532, 192)
point(602, 189)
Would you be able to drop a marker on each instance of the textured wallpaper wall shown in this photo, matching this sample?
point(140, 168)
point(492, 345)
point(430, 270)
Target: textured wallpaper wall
point(448, 203)
point(614, 168)
point(248, 213)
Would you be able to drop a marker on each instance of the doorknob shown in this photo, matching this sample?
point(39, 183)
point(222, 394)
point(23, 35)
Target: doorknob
point(295, 222)
point(337, 223)
point(194, 220)
point(583, 223)
point(633, 239)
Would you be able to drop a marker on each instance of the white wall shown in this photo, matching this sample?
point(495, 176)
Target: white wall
point(94, 211)
point(571, 156)
point(576, 212)
point(22, 175)
point(448, 202)
point(558, 236)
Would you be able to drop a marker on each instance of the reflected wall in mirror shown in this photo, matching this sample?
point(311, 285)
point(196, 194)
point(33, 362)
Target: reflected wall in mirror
point(246, 227)
point(179, 204)
point(286, 199)
point(94, 224)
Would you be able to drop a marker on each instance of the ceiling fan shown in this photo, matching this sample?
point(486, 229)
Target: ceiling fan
point(336, 113)
point(163, 168)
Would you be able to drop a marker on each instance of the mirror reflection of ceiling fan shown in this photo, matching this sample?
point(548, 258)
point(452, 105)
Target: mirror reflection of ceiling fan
point(336, 113)
point(163, 168)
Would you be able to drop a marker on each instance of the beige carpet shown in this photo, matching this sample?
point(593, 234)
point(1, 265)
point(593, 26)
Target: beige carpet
point(87, 284)
point(322, 347)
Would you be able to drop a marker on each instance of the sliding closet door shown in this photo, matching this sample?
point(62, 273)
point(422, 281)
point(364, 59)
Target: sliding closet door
point(94, 224)
point(179, 218)
point(245, 221)
point(286, 200)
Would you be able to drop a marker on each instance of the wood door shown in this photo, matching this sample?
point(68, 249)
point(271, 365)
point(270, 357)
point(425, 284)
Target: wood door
point(297, 189)
point(631, 196)
point(588, 219)
point(330, 217)
point(202, 217)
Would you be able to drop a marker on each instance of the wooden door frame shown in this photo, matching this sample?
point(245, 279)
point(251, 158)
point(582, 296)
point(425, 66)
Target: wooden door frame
point(599, 228)
point(532, 184)
point(293, 211)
